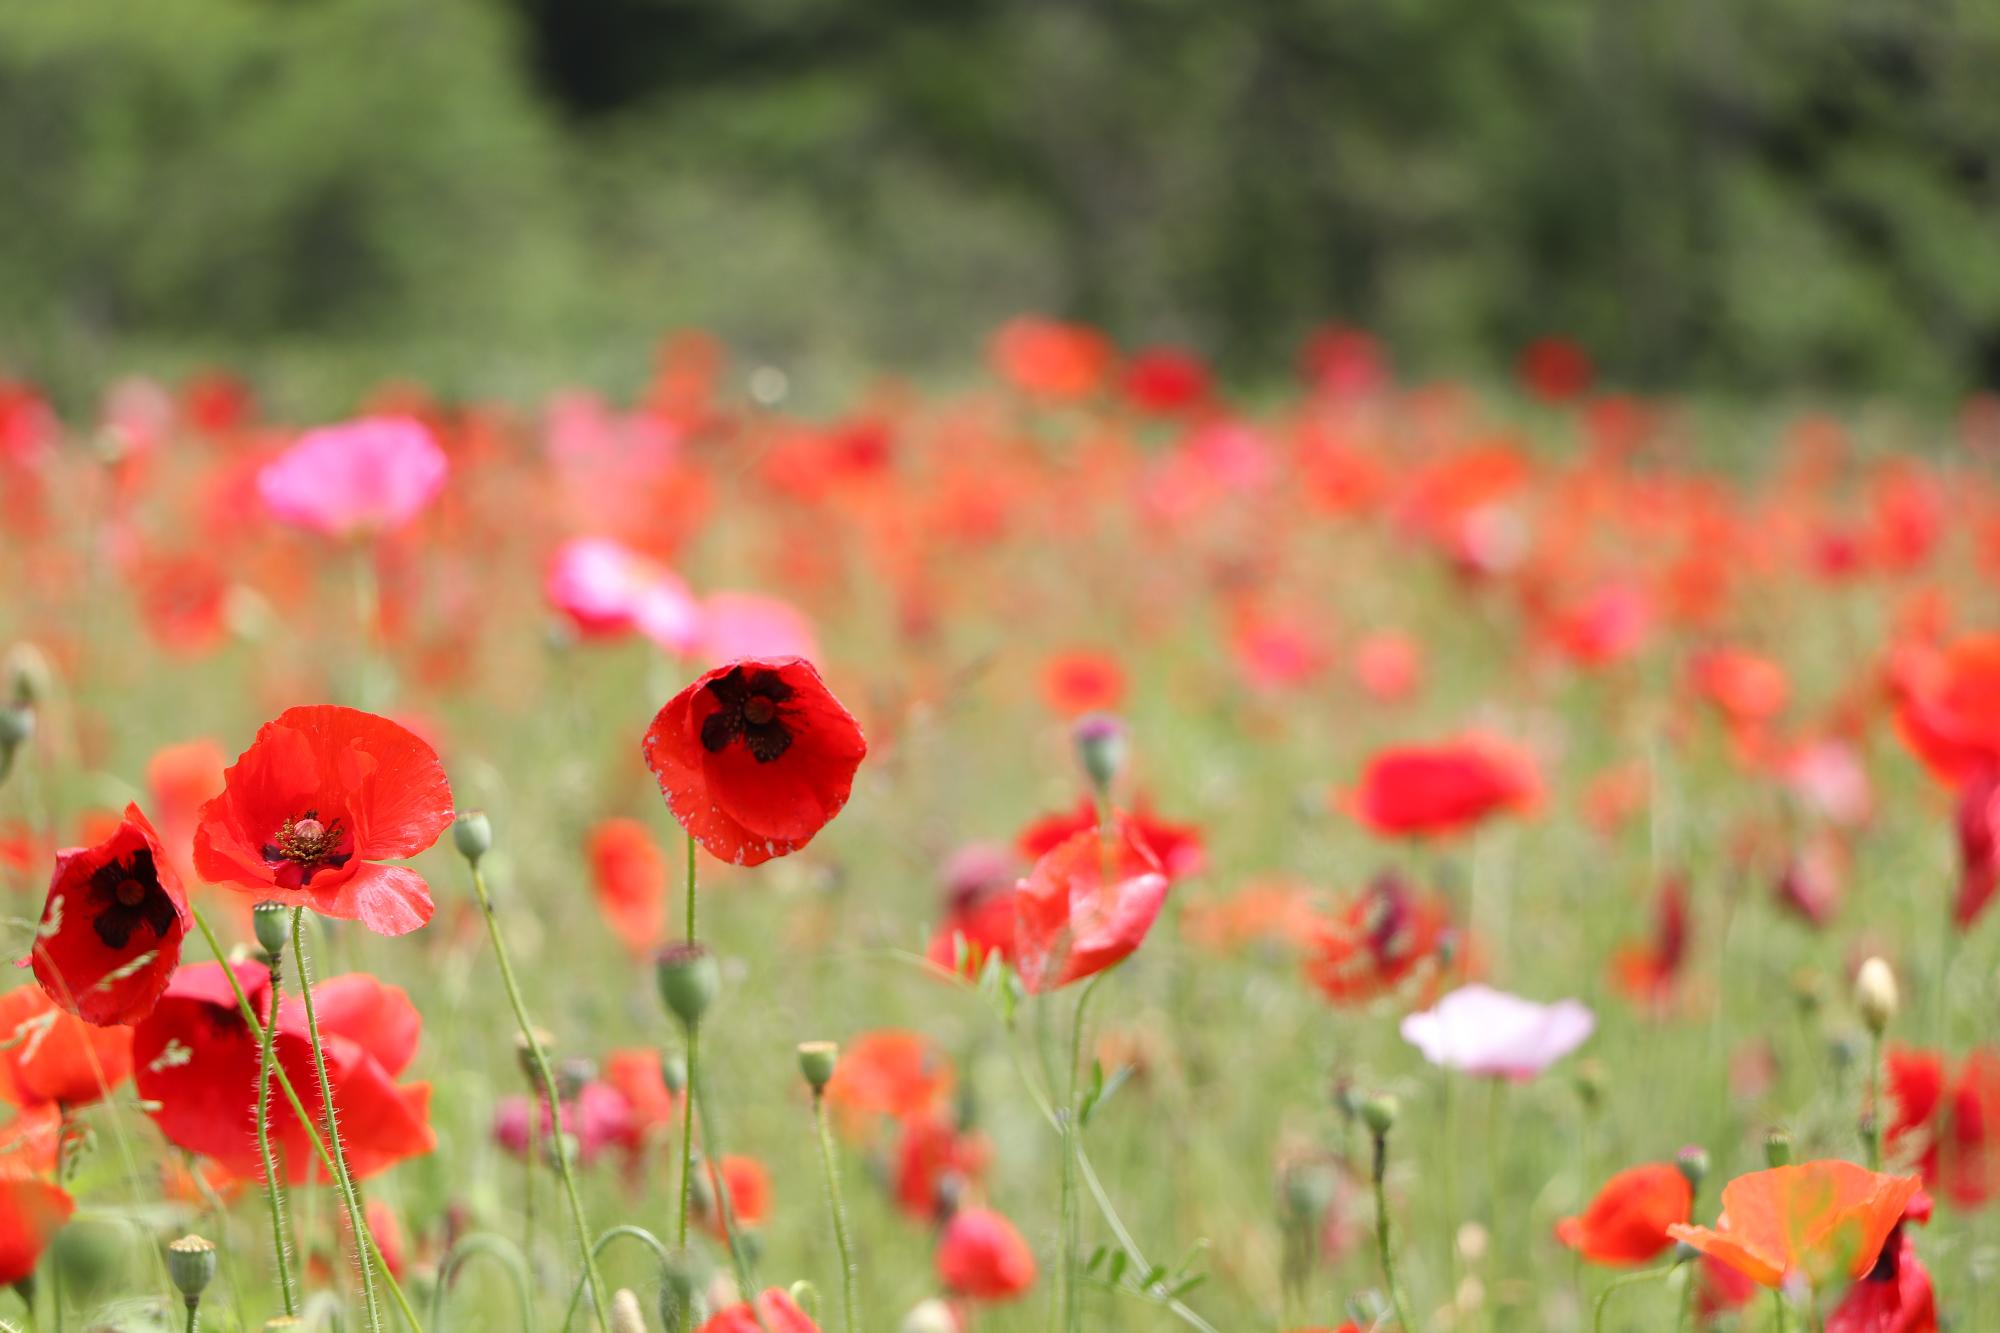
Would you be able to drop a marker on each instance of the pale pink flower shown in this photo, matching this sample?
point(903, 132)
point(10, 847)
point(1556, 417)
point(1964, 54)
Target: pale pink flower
point(1479, 1030)
point(748, 624)
point(357, 479)
point(605, 588)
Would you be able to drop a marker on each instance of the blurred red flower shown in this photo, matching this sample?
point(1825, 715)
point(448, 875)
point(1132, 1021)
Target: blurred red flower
point(1948, 706)
point(889, 1072)
point(755, 757)
point(748, 1186)
point(781, 1315)
point(111, 927)
point(1166, 381)
point(1086, 904)
point(981, 1256)
point(1646, 971)
point(48, 1058)
point(935, 1161)
point(1892, 1297)
point(1432, 790)
point(1379, 941)
point(31, 1213)
point(1082, 681)
point(1818, 1222)
point(1626, 1224)
point(1051, 359)
point(1555, 370)
point(322, 794)
point(1175, 849)
point(1947, 1128)
point(630, 877)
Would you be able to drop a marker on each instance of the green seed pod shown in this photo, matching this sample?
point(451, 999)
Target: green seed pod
point(472, 834)
point(1778, 1147)
point(191, 1264)
point(273, 923)
point(689, 980)
point(674, 1073)
point(816, 1062)
point(1693, 1162)
point(1379, 1113)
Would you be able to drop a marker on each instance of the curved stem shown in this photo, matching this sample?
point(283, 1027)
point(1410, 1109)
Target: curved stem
point(598, 1299)
point(850, 1283)
point(273, 1191)
point(357, 1220)
point(1617, 1285)
point(506, 1253)
point(256, 1028)
point(603, 1243)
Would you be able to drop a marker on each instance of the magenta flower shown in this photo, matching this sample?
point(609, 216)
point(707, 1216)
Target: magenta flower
point(1479, 1030)
point(356, 479)
point(748, 624)
point(599, 1117)
point(605, 588)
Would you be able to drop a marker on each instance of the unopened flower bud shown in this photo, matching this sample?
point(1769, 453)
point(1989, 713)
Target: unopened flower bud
point(273, 923)
point(472, 834)
point(816, 1062)
point(806, 1296)
point(1875, 994)
point(1379, 1113)
point(689, 979)
point(627, 1316)
point(674, 1073)
point(1693, 1163)
point(191, 1264)
point(1591, 1080)
point(1100, 746)
point(1778, 1148)
point(524, 1055)
point(932, 1316)
point(678, 1295)
point(17, 727)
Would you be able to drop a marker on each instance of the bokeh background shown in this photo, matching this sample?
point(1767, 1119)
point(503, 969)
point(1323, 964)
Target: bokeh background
point(492, 196)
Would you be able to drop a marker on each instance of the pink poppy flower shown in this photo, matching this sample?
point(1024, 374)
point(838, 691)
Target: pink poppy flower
point(1479, 1030)
point(355, 479)
point(747, 624)
point(604, 588)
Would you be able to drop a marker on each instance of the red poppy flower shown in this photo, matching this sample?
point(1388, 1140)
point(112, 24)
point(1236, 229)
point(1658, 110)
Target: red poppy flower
point(1388, 665)
point(1173, 848)
point(889, 1073)
point(1375, 944)
point(630, 877)
point(983, 1257)
point(1819, 1221)
point(1051, 359)
point(934, 1162)
point(48, 1058)
point(322, 794)
point(31, 1141)
point(1745, 688)
point(195, 1058)
point(983, 926)
point(636, 1076)
point(1948, 706)
point(1647, 971)
point(1166, 381)
point(1978, 828)
point(1430, 790)
point(749, 1188)
point(755, 757)
point(1085, 906)
point(31, 1213)
point(1949, 1129)
point(111, 928)
point(781, 1315)
point(1626, 1224)
point(1893, 1297)
point(1555, 370)
point(1082, 681)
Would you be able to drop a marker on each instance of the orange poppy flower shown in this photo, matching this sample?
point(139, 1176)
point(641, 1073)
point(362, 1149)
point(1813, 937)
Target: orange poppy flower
point(1822, 1221)
point(630, 877)
point(890, 1073)
point(47, 1057)
point(1626, 1224)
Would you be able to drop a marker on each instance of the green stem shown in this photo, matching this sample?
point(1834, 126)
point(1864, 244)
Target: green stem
point(1784, 1320)
point(739, 1257)
point(1383, 1249)
point(850, 1284)
point(256, 1027)
point(1068, 1289)
point(598, 1299)
point(1618, 1284)
point(503, 1252)
point(357, 1220)
point(1874, 1112)
point(194, 1316)
point(603, 1242)
point(693, 1056)
point(273, 1191)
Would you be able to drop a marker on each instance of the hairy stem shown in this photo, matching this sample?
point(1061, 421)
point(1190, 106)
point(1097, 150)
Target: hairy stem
point(1384, 1251)
point(273, 1190)
point(350, 1196)
point(850, 1284)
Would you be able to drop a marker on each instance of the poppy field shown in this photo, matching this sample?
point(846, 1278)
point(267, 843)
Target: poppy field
point(1072, 851)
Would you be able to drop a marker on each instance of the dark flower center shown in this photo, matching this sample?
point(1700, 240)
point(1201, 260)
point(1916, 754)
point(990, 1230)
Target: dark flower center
point(125, 895)
point(305, 845)
point(748, 708)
